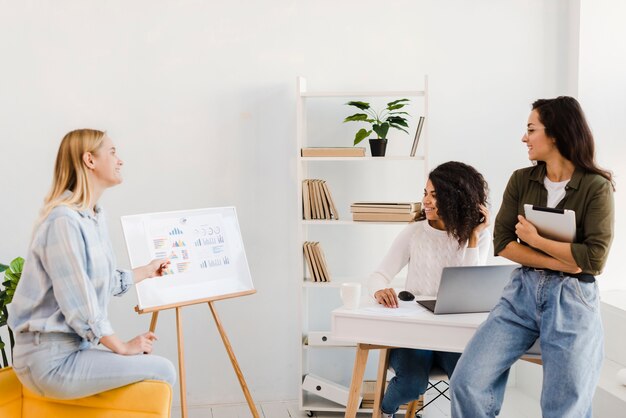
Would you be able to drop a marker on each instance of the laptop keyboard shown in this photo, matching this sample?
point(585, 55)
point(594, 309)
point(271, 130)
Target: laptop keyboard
point(428, 304)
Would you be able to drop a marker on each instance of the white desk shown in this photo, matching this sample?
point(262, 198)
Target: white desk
point(411, 326)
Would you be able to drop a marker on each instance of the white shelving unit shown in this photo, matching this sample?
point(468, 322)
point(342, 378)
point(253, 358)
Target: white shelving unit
point(308, 401)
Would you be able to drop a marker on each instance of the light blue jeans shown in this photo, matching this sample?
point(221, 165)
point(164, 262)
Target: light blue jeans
point(564, 314)
point(62, 366)
point(412, 368)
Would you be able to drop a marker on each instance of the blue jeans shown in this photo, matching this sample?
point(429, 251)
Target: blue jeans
point(62, 366)
point(564, 314)
point(411, 380)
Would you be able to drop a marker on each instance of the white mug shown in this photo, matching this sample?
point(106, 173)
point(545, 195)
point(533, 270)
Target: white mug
point(350, 295)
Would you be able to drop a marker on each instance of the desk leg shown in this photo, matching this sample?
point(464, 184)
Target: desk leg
point(381, 379)
point(357, 380)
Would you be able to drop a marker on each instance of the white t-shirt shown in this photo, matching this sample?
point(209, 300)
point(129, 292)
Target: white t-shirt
point(427, 251)
point(556, 191)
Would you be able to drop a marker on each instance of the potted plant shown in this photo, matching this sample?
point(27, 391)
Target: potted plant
point(389, 117)
point(12, 274)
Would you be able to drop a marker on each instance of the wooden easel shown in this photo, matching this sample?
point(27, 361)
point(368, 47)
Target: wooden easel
point(181, 356)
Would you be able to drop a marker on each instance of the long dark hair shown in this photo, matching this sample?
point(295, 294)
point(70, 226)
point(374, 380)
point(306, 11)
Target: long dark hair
point(564, 120)
point(460, 191)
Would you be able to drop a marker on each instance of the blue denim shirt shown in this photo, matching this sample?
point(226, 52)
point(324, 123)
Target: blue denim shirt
point(69, 277)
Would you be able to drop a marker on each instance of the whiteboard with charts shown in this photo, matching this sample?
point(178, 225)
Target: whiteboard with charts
point(205, 248)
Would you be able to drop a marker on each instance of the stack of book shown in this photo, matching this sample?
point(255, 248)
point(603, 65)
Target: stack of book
point(369, 388)
point(317, 203)
point(386, 211)
point(333, 152)
point(316, 262)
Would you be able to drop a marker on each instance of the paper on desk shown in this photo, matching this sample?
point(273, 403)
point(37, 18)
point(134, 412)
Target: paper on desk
point(404, 309)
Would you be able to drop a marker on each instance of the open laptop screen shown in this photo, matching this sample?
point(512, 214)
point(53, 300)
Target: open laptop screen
point(470, 289)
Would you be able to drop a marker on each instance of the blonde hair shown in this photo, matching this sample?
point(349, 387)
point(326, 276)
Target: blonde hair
point(70, 172)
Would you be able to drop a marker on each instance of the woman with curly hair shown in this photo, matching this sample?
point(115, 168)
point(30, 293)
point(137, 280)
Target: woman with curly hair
point(453, 233)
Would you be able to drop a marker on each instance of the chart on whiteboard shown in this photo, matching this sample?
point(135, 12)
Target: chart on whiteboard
point(191, 243)
point(205, 249)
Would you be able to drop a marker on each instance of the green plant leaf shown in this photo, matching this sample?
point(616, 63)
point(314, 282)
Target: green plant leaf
point(12, 276)
point(356, 117)
point(9, 297)
point(3, 267)
point(17, 264)
point(397, 120)
point(396, 106)
point(398, 113)
point(360, 105)
point(361, 135)
point(381, 130)
point(398, 101)
point(399, 128)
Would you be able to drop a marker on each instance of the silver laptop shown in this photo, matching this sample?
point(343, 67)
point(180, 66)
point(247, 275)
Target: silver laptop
point(469, 289)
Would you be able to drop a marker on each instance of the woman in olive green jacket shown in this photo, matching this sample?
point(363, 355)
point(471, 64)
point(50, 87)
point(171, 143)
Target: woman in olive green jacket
point(553, 297)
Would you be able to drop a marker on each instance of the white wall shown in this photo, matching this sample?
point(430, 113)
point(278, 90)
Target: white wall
point(602, 84)
point(200, 99)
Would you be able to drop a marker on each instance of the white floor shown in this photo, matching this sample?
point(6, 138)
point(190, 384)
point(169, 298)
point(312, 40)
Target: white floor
point(516, 405)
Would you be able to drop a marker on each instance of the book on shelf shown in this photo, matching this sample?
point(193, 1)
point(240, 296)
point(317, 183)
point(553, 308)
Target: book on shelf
point(306, 200)
point(316, 261)
point(315, 273)
point(333, 209)
point(323, 200)
point(385, 217)
point(333, 152)
point(399, 208)
point(418, 132)
point(317, 201)
point(322, 258)
point(382, 206)
point(309, 262)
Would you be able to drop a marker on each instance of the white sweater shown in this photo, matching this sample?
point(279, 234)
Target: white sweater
point(427, 251)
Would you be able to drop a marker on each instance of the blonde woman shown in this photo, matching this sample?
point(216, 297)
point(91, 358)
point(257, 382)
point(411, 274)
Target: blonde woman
point(59, 311)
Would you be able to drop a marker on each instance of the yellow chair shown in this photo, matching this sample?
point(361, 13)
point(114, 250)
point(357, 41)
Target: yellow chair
point(147, 399)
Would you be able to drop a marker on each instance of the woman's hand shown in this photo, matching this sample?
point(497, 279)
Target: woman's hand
point(560, 253)
point(141, 344)
point(527, 232)
point(155, 268)
point(478, 229)
point(485, 222)
point(138, 345)
point(387, 297)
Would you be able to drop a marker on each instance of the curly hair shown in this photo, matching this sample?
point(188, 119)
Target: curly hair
point(460, 191)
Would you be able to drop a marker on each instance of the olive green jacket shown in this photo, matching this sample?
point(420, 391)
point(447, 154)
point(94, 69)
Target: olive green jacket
point(589, 195)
